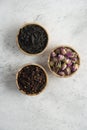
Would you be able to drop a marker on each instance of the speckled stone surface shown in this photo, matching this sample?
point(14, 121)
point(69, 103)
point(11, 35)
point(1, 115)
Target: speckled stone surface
point(63, 104)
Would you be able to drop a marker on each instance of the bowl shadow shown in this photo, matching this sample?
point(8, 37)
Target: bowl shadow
point(10, 40)
point(10, 78)
point(43, 59)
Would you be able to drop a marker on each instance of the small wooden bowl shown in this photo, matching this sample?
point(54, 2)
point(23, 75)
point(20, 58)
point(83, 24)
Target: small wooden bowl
point(27, 53)
point(36, 65)
point(65, 76)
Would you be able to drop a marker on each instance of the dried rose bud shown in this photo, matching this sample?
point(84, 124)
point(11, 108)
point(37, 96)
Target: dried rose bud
point(55, 59)
point(75, 67)
point(69, 64)
point(67, 61)
point(69, 54)
point(51, 63)
point(63, 66)
point(63, 51)
point(53, 54)
point(68, 71)
point(75, 54)
point(57, 51)
point(74, 60)
point(68, 50)
point(60, 57)
point(61, 73)
point(59, 65)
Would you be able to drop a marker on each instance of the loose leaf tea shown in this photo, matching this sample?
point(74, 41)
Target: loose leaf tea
point(64, 61)
point(31, 79)
point(32, 39)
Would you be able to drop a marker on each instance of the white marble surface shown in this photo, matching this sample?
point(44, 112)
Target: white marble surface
point(63, 104)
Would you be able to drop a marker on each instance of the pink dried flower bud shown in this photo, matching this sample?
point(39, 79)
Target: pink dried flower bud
point(61, 73)
point(68, 71)
point(64, 66)
point(63, 51)
point(75, 67)
point(69, 63)
point(74, 60)
point(74, 54)
point(69, 54)
point(61, 57)
point(57, 51)
point(53, 54)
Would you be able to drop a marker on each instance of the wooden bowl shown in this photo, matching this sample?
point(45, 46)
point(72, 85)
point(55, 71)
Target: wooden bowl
point(56, 74)
point(18, 44)
point(26, 88)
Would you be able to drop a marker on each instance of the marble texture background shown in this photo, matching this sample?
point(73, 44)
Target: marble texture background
point(63, 104)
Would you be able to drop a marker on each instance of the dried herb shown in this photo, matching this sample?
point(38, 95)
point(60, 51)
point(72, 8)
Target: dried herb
point(31, 79)
point(32, 39)
point(64, 61)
